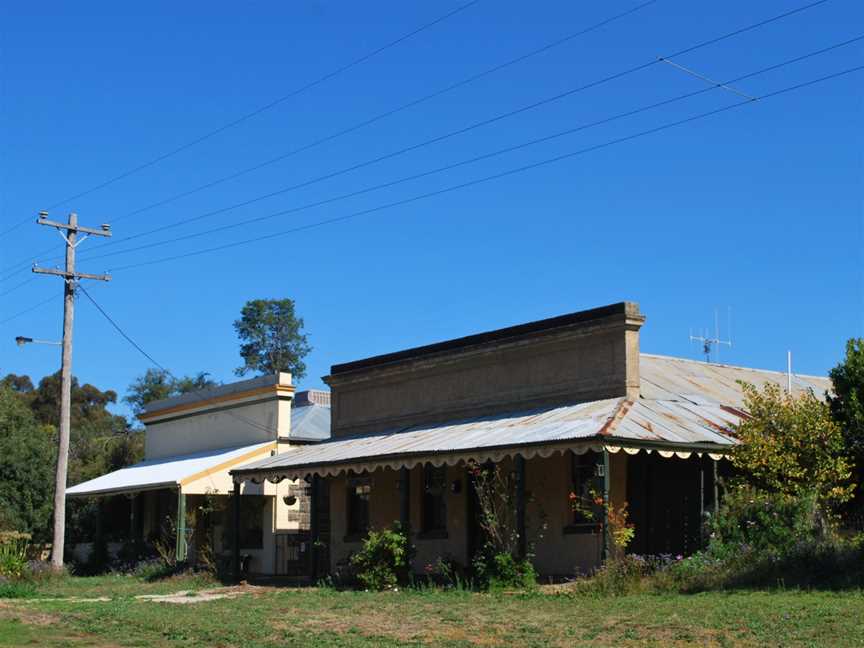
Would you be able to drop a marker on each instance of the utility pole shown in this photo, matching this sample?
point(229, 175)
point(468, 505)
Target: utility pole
point(70, 278)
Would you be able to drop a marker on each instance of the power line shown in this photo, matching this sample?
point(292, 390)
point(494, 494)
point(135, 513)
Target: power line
point(141, 350)
point(257, 111)
point(370, 121)
point(472, 182)
point(20, 270)
point(17, 286)
point(121, 331)
point(485, 156)
point(391, 112)
point(495, 176)
point(470, 127)
point(28, 310)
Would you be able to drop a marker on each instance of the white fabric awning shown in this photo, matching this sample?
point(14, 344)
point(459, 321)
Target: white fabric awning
point(166, 472)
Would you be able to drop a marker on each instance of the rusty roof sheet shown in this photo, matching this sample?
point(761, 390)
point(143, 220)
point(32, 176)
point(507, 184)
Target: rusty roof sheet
point(548, 425)
point(682, 404)
point(678, 379)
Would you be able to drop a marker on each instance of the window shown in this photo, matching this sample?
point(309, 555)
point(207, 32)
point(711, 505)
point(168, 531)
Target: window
point(359, 489)
point(252, 521)
point(586, 488)
point(434, 499)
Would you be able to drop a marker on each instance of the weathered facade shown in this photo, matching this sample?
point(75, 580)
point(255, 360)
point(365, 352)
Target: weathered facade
point(183, 487)
point(568, 406)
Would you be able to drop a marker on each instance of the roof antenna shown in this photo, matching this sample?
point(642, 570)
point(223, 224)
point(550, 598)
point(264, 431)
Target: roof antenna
point(710, 344)
point(789, 372)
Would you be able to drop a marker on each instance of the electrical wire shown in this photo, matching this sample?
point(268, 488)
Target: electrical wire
point(20, 285)
point(470, 127)
point(30, 309)
point(162, 368)
point(452, 188)
point(485, 156)
point(495, 176)
point(391, 112)
point(376, 118)
point(257, 111)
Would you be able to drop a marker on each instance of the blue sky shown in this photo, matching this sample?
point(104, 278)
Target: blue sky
point(758, 209)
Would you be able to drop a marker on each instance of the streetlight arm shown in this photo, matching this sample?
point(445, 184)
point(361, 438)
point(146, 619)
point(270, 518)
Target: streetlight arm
point(22, 340)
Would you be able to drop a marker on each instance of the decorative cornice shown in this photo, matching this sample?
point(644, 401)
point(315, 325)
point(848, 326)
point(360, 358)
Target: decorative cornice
point(274, 390)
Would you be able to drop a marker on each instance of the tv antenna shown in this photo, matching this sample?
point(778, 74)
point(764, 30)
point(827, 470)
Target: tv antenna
point(713, 344)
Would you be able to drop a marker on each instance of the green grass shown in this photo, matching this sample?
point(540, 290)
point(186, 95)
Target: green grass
point(323, 617)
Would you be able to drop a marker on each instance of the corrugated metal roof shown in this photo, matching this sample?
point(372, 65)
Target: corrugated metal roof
point(683, 404)
point(310, 422)
point(166, 472)
point(667, 378)
point(535, 426)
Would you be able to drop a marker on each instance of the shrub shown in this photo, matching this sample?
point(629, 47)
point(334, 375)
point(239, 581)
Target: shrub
point(768, 539)
point(623, 575)
point(155, 569)
point(13, 554)
point(772, 524)
point(497, 564)
point(446, 572)
point(385, 559)
point(790, 444)
point(501, 570)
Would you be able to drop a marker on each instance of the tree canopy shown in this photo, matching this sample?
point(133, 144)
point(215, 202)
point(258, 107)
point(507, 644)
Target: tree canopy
point(271, 338)
point(847, 408)
point(27, 459)
point(791, 444)
point(847, 401)
point(100, 442)
point(157, 384)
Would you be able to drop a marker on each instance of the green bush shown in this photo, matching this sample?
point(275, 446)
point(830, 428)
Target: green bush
point(770, 524)
point(13, 554)
point(618, 576)
point(760, 539)
point(385, 559)
point(502, 570)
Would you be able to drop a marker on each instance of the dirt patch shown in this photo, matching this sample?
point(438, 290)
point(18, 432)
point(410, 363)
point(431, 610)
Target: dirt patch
point(26, 615)
point(187, 597)
point(46, 629)
point(424, 624)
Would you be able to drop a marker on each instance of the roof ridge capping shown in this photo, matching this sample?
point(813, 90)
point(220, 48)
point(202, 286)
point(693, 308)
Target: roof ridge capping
point(280, 380)
point(628, 309)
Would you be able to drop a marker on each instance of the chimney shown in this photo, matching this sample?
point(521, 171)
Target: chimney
point(312, 397)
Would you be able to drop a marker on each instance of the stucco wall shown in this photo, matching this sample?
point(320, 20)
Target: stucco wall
point(241, 425)
point(585, 360)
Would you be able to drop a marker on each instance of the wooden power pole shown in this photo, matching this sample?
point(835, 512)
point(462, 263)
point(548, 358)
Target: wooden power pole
point(69, 231)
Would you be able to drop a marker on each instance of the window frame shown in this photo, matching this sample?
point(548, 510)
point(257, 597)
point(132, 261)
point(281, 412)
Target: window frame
point(434, 525)
point(355, 528)
point(584, 476)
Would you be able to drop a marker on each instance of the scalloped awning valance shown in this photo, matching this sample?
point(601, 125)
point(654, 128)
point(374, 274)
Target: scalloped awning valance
point(670, 428)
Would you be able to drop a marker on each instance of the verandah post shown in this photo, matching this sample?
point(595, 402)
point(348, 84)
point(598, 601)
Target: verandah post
point(702, 502)
point(520, 506)
point(405, 501)
point(606, 535)
point(180, 549)
point(314, 524)
point(716, 486)
point(235, 534)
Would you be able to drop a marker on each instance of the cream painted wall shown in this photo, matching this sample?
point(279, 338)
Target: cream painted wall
point(455, 545)
point(242, 425)
point(548, 513)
